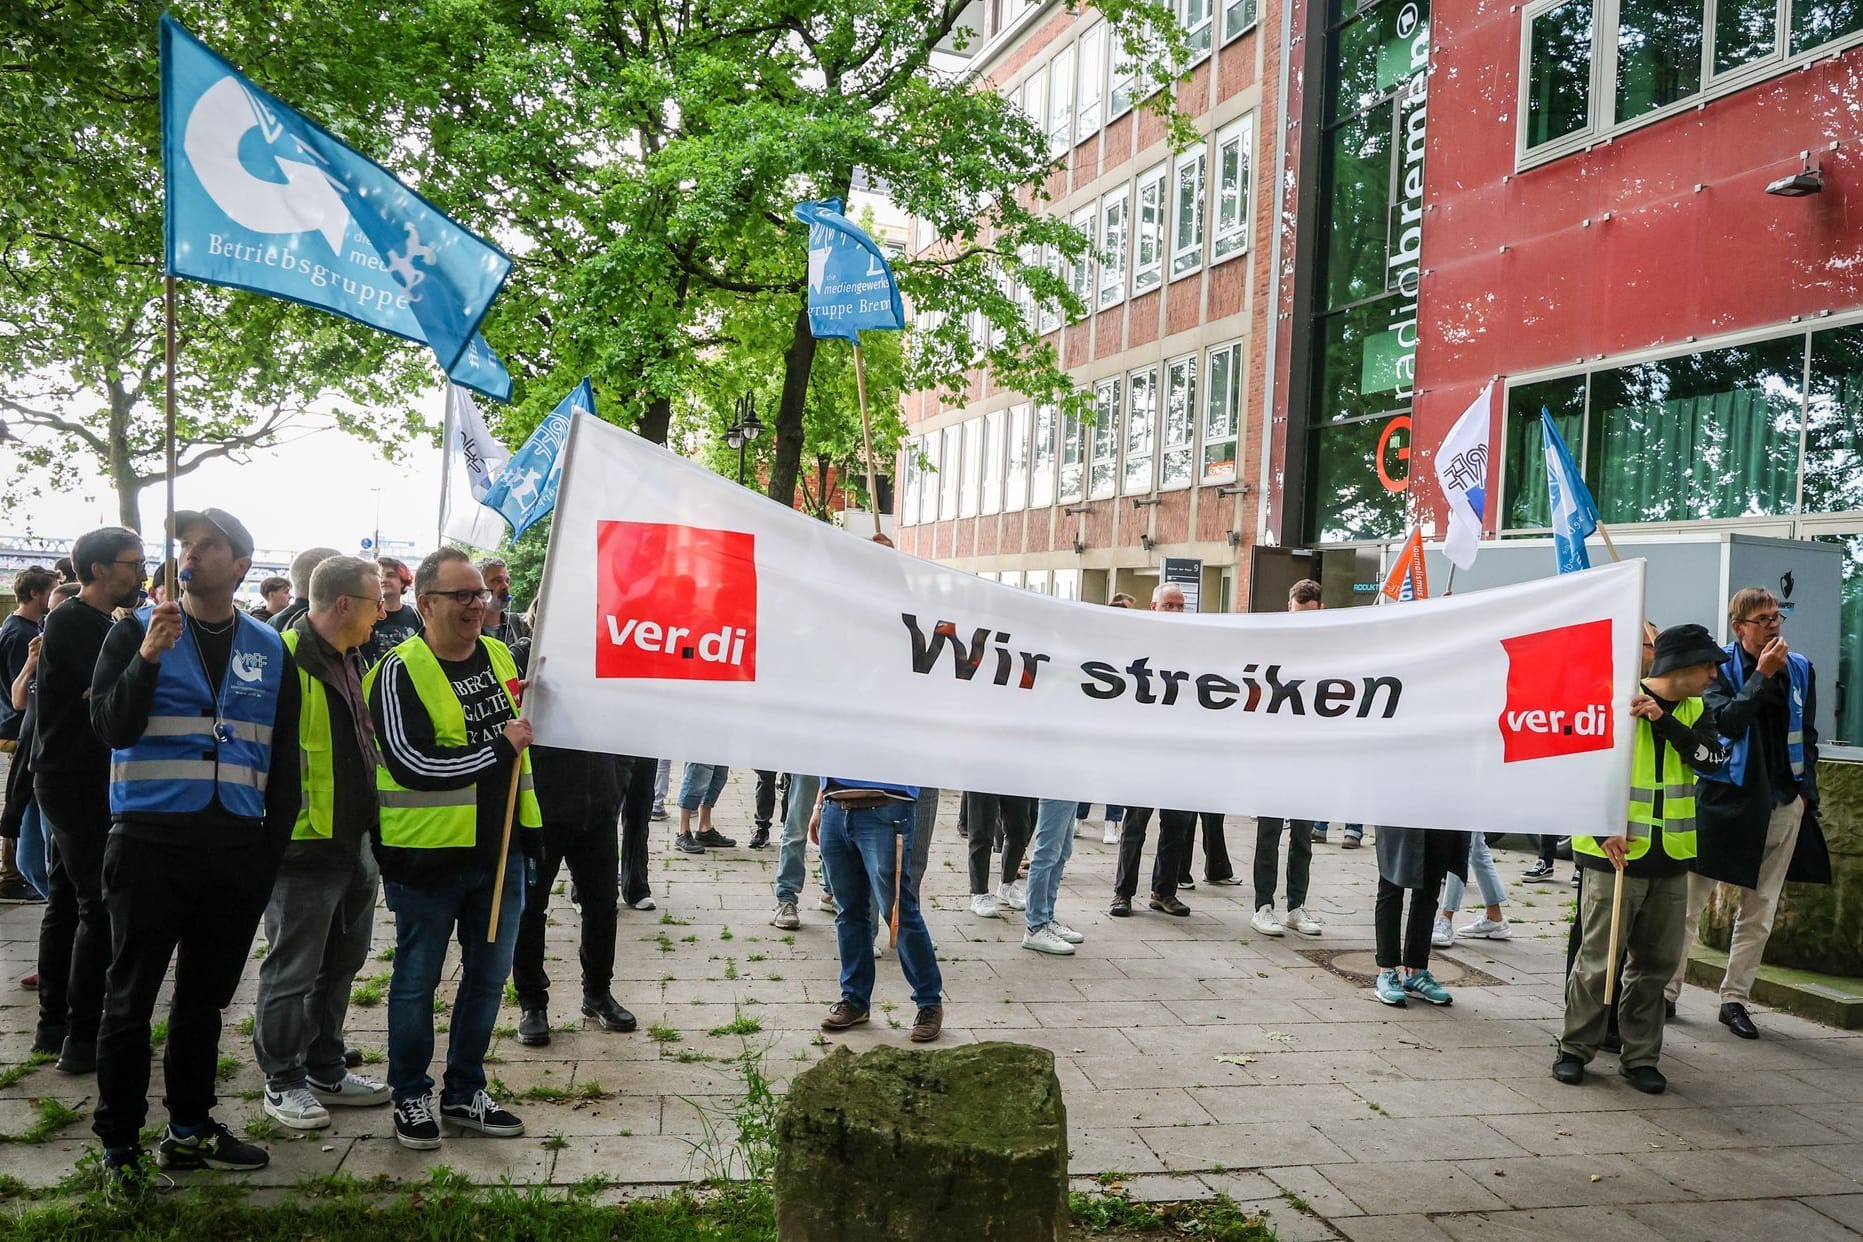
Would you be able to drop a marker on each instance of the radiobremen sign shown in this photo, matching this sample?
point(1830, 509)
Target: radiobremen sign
point(683, 615)
point(1390, 359)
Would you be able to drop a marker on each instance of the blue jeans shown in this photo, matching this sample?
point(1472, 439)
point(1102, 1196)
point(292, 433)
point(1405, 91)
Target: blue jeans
point(857, 854)
point(1054, 845)
point(1113, 813)
point(1487, 875)
point(701, 785)
point(662, 777)
point(29, 855)
point(792, 859)
point(425, 919)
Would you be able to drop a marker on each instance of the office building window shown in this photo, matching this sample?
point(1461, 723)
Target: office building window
point(1222, 408)
point(1016, 473)
point(1092, 81)
point(1148, 235)
point(992, 498)
point(1177, 460)
point(1103, 461)
point(1113, 239)
point(1234, 149)
point(1141, 429)
point(1187, 241)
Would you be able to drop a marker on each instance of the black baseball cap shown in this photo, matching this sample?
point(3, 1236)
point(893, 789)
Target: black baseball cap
point(1684, 646)
point(222, 521)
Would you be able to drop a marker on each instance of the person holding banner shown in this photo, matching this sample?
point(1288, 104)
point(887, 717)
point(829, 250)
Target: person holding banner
point(1412, 860)
point(454, 772)
point(1676, 737)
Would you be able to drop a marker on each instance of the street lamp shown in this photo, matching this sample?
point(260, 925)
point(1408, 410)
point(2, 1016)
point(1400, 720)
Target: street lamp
point(743, 432)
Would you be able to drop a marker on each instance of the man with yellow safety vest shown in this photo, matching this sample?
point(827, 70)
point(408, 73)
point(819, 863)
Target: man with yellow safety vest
point(322, 911)
point(198, 704)
point(444, 705)
point(1675, 738)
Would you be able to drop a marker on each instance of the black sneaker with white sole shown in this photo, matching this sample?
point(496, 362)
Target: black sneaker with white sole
point(415, 1124)
point(482, 1113)
point(212, 1146)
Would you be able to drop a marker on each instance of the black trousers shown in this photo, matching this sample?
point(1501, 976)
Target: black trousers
point(588, 846)
point(1173, 859)
point(1268, 859)
point(1018, 818)
point(1216, 864)
point(766, 799)
point(200, 909)
point(637, 775)
point(1409, 946)
point(74, 935)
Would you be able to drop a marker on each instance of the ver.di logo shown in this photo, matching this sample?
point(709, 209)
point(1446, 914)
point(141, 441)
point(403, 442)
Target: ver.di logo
point(677, 603)
point(1559, 691)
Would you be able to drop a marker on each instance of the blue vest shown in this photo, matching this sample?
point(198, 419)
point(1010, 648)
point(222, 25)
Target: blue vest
point(193, 747)
point(1798, 675)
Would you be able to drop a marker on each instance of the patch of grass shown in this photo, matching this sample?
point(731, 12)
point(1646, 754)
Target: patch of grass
point(369, 991)
point(555, 1142)
point(789, 940)
point(158, 1033)
point(742, 1024)
point(263, 1129)
point(692, 1056)
point(758, 957)
point(506, 1031)
point(13, 1073)
point(691, 939)
point(667, 920)
point(439, 1004)
point(260, 950)
point(246, 1024)
point(12, 1188)
point(226, 1067)
point(1220, 1219)
point(49, 1117)
point(730, 968)
point(251, 1094)
point(510, 994)
point(591, 1091)
point(372, 1056)
point(386, 955)
point(724, 933)
point(665, 942)
point(773, 977)
point(660, 1033)
point(547, 1094)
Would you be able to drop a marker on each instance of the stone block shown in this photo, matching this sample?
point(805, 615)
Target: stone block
point(899, 1146)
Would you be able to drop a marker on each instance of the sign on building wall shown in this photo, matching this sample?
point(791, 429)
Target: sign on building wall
point(1187, 572)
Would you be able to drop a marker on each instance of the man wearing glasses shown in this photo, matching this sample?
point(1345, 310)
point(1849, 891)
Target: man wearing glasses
point(1758, 817)
point(322, 911)
point(444, 705)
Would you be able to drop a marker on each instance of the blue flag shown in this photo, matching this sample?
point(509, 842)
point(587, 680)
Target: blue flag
point(260, 198)
point(851, 284)
point(1574, 513)
point(482, 371)
point(525, 490)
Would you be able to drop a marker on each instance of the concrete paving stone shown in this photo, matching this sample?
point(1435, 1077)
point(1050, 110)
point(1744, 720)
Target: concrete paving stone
point(1304, 1067)
point(1195, 1148)
point(1151, 1072)
point(1505, 1064)
point(1738, 1056)
point(1124, 1014)
point(486, 1160)
point(1846, 1158)
point(1545, 1225)
point(42, 1165)
point(1244, 1187)
point(1584, 1134)
point(1309, 1185)
point(1829, 1084)
point(1406, 1228)
point(1109, 1150)
point(1374, 1140)
point(1709, 1089)
point(1739, 1174)
point(635, 1158)
point(1846, 1210)
point(1749, 1126)
point(1151, 1106)
point(1299, 1104)
point(1739, 1221)
point(1235, 1000)
point(1602, 1091)
point(1846, 1119)
point(1166, 1188)
point(1480, 1097)
point(1444, 1029)
point(1396, 1188)
point(1566, 1181)
point(1171, 988)
point(1062, 1041)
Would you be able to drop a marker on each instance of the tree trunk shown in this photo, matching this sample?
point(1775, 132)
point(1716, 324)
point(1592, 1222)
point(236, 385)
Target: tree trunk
point(123, 477)
point(657, 421)
point(786, 461)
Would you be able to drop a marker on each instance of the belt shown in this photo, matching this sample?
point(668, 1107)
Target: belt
point(861, 802)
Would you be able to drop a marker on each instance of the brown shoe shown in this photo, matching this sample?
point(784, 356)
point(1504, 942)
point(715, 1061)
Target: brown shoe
point(1169, 905)
point(926, 1026)
point(1122, 908)
point(842, 1015)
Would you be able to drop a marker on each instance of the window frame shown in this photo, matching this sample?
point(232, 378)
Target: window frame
point(1121, 81)
point(933, 484)
point(1252, 7)
point(951, 487)
point(1239, 133)
point(1108, 416)
point(1016, 499)
point(1184, 365)
point(1048, 316)
point(1122, 198)
point(1071, 455)
point(1204, 28)
point(1090, 76)
point(1060, 121)
point(1236, 364)
point(1148, 461)
point(1148, 276)
point(991, 500)
point(1197, 158)
point(970, 454)
point(1036, 83)
point(1044, 478)
point(1083, 273)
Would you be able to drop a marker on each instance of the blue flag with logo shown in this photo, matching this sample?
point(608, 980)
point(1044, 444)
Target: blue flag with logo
point(525, 490)
point(1574, 513)
point(260, 198)
point(482, 370)
point(851, 285)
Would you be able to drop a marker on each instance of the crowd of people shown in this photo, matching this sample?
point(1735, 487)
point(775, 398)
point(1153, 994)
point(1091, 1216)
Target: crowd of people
point(183, 770)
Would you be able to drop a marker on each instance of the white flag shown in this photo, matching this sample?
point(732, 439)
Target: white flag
point(472, 460)
point(1462, 472)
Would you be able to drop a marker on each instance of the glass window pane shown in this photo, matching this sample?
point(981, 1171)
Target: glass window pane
point(1222, 400)
point(1710, 435)
point(1103, 468)
point(1359, 207)
point(1180, 423)
point(973, 468)
point(1376, 52)
point(1119, 86)
point(1016, 473)
point(1525, 445)
point(1148, 236)
point(1113, 248)
point(1041, 472)
point(1351, 500)
point(1848, 688)
point(928, 499)
point(1196, 15)
point(1035, 98)
point(1048, 314)
point(1061, 102)
point(1834, 431)
point(910, 477)
point(1073, 458)
point(1141, 426)
point(1658, 54)
point(953, 473)
point(1080, 271)
point(1744, 31)
point(1368, 359)
point(1238, 15)
point(1816, 22)
point(1187, 241)
point(992, 499)
point(1232, 173)
point(1092, 81)
point(1559, 73)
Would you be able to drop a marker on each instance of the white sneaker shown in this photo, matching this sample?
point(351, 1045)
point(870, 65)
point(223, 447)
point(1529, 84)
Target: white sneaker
point(1013, 895)
point(296, 1109)
point(645, 903)
point(1111, 835)
point(1302, 922)
point(1066, 933)
point(1264, 922)
point(1442, 933)
point(354, 1091)
point(1045, 940)
point(1485, 928)
point(827, 904)
point(786, 917)
point(983, 905)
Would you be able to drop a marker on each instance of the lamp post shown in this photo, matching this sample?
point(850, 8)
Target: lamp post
point(743, 431)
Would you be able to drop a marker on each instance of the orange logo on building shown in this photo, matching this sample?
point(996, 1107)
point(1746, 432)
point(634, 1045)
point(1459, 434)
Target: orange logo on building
point(1400, 423)
point(675, 602)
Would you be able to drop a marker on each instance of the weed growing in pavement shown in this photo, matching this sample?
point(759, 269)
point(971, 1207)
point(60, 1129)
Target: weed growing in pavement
point(660, 1033)
point(13, 1073)
point(49, 1117)
point(742, 1024)
point(369, 991)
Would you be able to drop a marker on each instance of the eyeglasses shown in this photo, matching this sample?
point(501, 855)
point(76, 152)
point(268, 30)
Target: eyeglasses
point(380, 604)
point(464, 597)
point(138, 563)
point(1763, 620)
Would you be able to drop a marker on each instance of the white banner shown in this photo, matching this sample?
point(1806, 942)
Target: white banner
point(684, 616)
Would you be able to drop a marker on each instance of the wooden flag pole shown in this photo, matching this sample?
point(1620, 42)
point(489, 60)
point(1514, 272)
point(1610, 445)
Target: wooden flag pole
point(1608, 545)
point(168, 447)
point(866, 435)
point(1610, 961)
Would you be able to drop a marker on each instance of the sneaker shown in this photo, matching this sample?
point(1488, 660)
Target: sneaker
point(983, 905)
point(129, 1178)
point(415, 1124)
point(645, 903)
point(1424, 985)
point(1319, 836)
point(1066, 933)
point(686, 843)
point(1015, 896)
point(1539, 873)
point(1121, 908)
point(609, 1013)
point(1442, 932)
point(482, 1113)
point(534, 1028)
point(1389, 989)
point(296, 1108)
point(19, 893)
point(1299, 920)
point(927, 1024)
point(354, 1091)
point(1169, 905)
point(713, 839)
point(1575, 880)
point(786, 916)
point(1044, 940)
point(575, 898)
point(1265, 922)
point(657, 814)
point(842, 1015)
point(211, 1146)
point(1111, 835)
point(1568, 1069)
point(77, 1056)
point(1485, 928)
point(1351, 842)
point(352, 1058)
point(1233, 881)
point(30, 982)
point(827, 904)
point(760, 838)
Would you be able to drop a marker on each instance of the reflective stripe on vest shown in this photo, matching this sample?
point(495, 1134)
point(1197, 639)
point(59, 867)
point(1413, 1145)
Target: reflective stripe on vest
point(181, 763)
point(1798, 685)
point(1676, 784)
point(445, 818)
point(316, 765)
